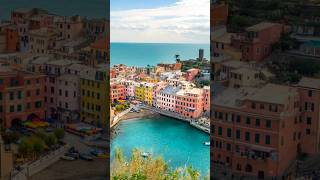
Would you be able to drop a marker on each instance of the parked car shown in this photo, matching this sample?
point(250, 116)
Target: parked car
point(86, 157)
point(68, 158)
point(73, 150)
point(74, 155)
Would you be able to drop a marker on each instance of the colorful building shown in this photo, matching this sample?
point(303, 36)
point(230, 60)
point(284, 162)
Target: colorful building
point(117, 92)
point(21, 96)
point(189, 102)
point(255, 130)
point(256, 43)
point(94, 88)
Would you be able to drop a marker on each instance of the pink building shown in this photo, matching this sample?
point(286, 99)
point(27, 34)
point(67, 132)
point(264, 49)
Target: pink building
point(68, 97)
point(189, 102)
point(117, 92)
point(191, 74)
point(129, 88)
point(166, 98)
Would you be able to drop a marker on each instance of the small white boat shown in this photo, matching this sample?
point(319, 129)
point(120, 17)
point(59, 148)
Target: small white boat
point(207, 143)
point(145, 154)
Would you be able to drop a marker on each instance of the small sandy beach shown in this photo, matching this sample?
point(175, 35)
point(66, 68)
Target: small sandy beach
point(141, 114)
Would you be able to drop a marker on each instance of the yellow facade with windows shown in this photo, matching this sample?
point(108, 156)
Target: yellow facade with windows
point(95, 99)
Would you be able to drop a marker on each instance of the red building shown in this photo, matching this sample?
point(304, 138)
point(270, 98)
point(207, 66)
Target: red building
point(21, 96)
point(256, 43)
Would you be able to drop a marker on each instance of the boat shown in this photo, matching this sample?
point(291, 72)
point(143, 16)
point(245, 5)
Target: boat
point(207, 143)
point(145, 154)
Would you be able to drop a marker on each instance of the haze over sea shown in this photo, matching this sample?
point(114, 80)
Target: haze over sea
point(142, 54)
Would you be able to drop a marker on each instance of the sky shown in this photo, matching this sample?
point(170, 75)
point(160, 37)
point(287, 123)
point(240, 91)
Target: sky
point(160, 21)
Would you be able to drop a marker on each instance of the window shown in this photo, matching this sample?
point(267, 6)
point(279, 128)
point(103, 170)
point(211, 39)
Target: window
point(257, 122)
point(11, 108)
point(282, 140)
point(66, 93)
point(253, 105)
point(1, 109)
point(229, 132)
point(268, 123)
point(248, 120)
point(248, 136)
point(38, 104)
point(310, 93)
point(309, 120)
point(19, 108)
point(238, 134)
point(228, 147)
point(308, 131)
point(267, 139)
point(257, 138)
point(19, 94)
point(11, 96)
point(0, 95)
point(238, 118)
point(220, 131)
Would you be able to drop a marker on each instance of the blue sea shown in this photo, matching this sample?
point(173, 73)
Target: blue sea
point(88, 8)
point(142, 54)
point(177, 142)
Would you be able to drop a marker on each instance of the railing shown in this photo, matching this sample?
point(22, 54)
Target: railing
point(30, 169)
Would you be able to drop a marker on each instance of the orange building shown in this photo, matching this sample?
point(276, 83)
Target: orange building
point(256, 43)
point(21, 96)
point(12, 39)
point(99, 52)
point(219, 15)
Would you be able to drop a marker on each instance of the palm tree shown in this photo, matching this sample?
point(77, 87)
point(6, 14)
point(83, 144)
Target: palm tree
point(177, 57)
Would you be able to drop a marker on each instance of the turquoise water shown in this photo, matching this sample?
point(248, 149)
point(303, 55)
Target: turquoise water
point(89, 8)
point(142, 54)
point(177, 141)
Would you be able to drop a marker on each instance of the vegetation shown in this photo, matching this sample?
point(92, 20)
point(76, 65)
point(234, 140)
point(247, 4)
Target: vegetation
point(139, 168)
point(33, 146)
point(121, 107)
point(59, 133)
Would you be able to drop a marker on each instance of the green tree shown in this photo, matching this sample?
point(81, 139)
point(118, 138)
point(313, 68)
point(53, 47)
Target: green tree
point(59, 133)
point(139, 168)
point(25, 147)
point(38, 145)
point(51, 140)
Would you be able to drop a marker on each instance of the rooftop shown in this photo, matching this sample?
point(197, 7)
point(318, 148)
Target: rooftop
point(261, 26)
point(309, 83)
point(270, 93)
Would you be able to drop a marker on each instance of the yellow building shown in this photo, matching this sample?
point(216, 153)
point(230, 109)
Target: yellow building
point(95, 99)
point(151, 80)
point(139, 92)
point(148, 89)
